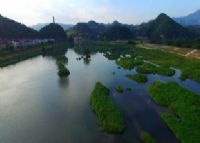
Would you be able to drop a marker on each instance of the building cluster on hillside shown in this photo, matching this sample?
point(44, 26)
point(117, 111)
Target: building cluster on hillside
point(22, 43)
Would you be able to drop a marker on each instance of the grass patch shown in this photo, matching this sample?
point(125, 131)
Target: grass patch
point(183, 117)
point(109, 117)
point(129, 63)
point(119, 89)
point(140, 78)
point(146, 138)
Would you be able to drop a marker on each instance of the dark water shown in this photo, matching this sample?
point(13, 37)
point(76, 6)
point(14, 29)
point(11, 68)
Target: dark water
point(36, 106)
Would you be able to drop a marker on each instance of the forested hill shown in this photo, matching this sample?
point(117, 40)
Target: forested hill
point(54, 31)
point(163, 27)
point(10, 29)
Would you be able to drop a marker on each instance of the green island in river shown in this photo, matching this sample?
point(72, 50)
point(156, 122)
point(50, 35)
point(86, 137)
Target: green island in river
point(109, 117)
point(183, 108)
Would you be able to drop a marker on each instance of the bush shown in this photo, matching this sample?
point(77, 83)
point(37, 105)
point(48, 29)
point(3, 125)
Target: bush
point(63, 71)
point(119, 89)
point(129, 63)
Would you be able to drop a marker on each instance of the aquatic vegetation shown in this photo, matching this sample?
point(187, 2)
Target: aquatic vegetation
point(165, 71)
point(190, 68)
point(146, 138)
point(147, 68)
point(140, 78)
point(129, 63)
point(63, 71)
point(119, 89)
point(109, 117)
point(183, 110)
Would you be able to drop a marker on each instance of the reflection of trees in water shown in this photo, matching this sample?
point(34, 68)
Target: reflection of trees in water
point(86, 61)
point(64, 82)
point(57, 51)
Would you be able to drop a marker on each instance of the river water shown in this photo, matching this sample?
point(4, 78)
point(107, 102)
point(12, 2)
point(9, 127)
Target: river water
point(36, 106)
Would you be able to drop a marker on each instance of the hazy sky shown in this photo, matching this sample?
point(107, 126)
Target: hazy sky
point(31, 12)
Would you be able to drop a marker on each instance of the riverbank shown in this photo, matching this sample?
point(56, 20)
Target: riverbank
point(9, 57)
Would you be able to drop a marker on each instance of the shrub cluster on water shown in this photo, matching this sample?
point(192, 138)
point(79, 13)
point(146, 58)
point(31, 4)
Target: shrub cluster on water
point(148, 68)
point(163, 70)
point(109, 117)
point(140, 78)
point(62, 70)
point(146, 138)
point(119, 89)
point(183, 116)
point(129, 63)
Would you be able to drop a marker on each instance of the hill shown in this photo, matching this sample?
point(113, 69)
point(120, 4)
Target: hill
point(10, 29)
point(39, 26)
point(91, 30)
point(189, 20)
point(54, 31)
point(164, 28)
point(94, 30)
point(118, 31)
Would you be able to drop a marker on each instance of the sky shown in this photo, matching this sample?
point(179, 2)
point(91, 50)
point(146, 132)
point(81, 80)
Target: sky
point(105, 11)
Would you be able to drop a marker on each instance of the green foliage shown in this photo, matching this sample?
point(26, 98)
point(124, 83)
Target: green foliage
point(183, 110)
point(119, 89)
point(62, 70)
point(190, 68)
point(110, 119)
point(165, 71)
point(146, 138)
point(147, 68)
point(113, 50)
point(140, 78)
point(129, 63)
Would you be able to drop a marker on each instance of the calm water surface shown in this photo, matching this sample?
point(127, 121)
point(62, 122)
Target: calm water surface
point(36, 106)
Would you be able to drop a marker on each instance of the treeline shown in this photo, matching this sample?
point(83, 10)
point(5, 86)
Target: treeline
point(162, 30)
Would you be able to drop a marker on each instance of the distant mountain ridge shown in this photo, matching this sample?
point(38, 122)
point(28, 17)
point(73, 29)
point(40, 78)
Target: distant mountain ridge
point(39, 26)
point(190, 20)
